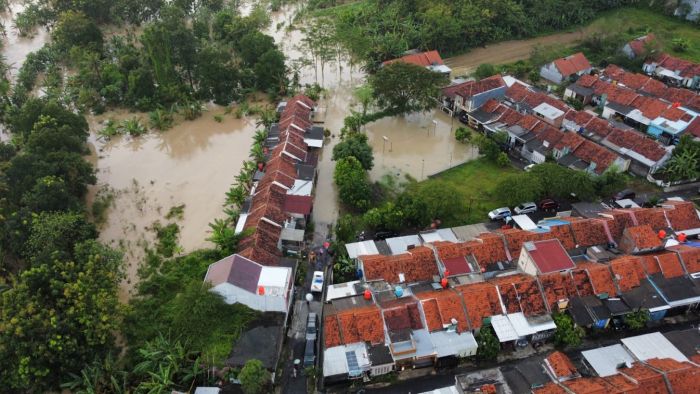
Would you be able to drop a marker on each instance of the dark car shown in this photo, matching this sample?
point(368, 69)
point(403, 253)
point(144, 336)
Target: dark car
point(311, 326)
point(625, 194)
point(310, 353)
point(382, 235)
point(548, 204)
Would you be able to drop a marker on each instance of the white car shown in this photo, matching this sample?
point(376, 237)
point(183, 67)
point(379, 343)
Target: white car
point(526, 207)
point(317, 282)
point(499, 213)
point(529, 167)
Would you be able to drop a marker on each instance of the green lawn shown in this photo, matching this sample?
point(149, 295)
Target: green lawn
point(633, 22)
point(475, 182)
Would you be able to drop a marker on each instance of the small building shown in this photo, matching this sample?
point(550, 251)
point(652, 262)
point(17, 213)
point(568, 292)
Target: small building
point(559, 367)
point(471, 95)
point(380, 360)
point(345, 362)
point(516, 328)
point(262, 288)
point(361, 248)
point(606, 360)
point(542, 257)
point(639, 239)
point(565, 68)
point(549, 114)
point(342, 290)
point(589, 311)
point(450, 346)
point(412, 348)
point(430, 60)
point(640, 46)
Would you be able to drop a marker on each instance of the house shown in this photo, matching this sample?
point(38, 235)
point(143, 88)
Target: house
point(262, 288)
point(559, 367)
point(565, 68)
point(673, 70)
point(346, 362)
point(640, 239)
point(471, 95)
point(549, 114)
point(640, 46)
point(430, 60)
point(645, 154)
point(589, 311)
point(582, 90)
point(416, 265)
point(543, 257)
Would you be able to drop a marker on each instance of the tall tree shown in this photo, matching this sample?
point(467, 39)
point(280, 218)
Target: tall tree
point(401, 87)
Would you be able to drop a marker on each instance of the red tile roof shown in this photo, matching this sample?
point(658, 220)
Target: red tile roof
point(628, 271)
point(690, 256)
point(580, 118)
point(331, 331)
point(418, 264)
point(557, 286)
point(654, 217)
point(639, 44)
point(472, 88)
point(650, 263)
point(588, 232)
point(651, 107)
point(457, 265)
point(694, 127)
point(403, 316)
point(517, 92)
point(481, 301)
point(681, 215)
point(550, 388)
point(549, 256)
point(424, 59)
point(528, 122)
point(599, 127)
point(639, 238)
point(620, 384)
point(670, 265)
point(648, 379)
point(560, 365)
point(587, 80)
point(362, 324)
point(590, 152)
point(441, 306)
point(491, 105)
point(520, 293)
point(550, 135)
point(298, 204)
point(260, 255)
point(621, 219)
point(582, 282)
point(592, 385)
point(600, 277)
point(569, 140)
point(683, 377)
point(572, 64)
point(637, 142)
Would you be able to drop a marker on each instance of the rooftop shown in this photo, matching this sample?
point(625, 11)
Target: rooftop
point(572, 64)
point(423, 59)
point(653, 345)
point(417, 264)
point(548, 255)
point(606, 360)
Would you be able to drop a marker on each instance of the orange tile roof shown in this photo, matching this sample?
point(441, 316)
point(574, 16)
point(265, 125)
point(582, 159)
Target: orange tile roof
point(424, 59)
point(402, 316)
point(681, 214)
point(651, 265)
point(628, 271)
point(569, 140)
point(472, 88)
point(488, 248)
point(362, 324)
point(440, 307)
point(582, 282)
point(683, 377)
point(331, 331)
point(622, 384)
point(572, 64)
point(416, 265)
point(588, 232)
point(639, 238)
point(550, 388)
point(670, 265)
point(639, 44)
point(590, 152)
point(560, 365)
point(654, 217)
point(637, 142)
point(557, 286)
point(580, 118)
point(481, 301)
point(600, 277)
point(592, 385)
point(650, 380)
point(599, 127)
point(621, 219)
point(520, 293)
point(690, 256)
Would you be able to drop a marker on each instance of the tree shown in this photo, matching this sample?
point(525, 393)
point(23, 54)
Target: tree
point(463, 134)
point(270, 72)
point(683, 165)
point(402, 87)
point(58, 317)
point(353, 185)
point(637, 320)
point(610, 182)
point(420, 204)
point(560, 182)
point(488, 345)
point(365, 96)
point(567, 333)
point(487, 147)
point(75, 29)
point(55, 234)
point(503, 160)
point(484, 70)
point(355, 145)
point(254, 377)
point(518, 188)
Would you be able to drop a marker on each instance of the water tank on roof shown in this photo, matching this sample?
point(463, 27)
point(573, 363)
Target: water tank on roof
point(398, 290)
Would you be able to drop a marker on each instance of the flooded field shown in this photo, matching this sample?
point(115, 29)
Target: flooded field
point(16, 48)
point(193, 164)
point(508, 51)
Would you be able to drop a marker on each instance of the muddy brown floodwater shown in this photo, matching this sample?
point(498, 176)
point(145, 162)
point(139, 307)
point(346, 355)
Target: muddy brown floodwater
point(16, 48)
point(193, 163)
point(508, 51)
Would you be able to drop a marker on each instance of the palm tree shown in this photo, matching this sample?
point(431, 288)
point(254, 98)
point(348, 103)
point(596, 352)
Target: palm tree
point(222, 235)
point(257, 153)
point(683, 165)
point(260, 136)
point(268, 116)
point(235, 196)
point(160, 119)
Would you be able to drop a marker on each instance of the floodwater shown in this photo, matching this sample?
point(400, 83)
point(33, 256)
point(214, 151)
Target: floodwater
point(418, 145)
point(193, 164)
point(509, 51)
point(16, 48)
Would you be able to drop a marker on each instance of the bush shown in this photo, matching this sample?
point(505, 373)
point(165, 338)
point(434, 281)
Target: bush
point(567, 333)
point(503, 159)
point(353, 183)
point(463, 134)
point(488, 344)
point(680, 44)
point(637, 320)
point(254, 377)
point(484, 70)
point(355, 145)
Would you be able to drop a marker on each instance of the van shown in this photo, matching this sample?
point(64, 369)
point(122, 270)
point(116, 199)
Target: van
point(310, 353)
point(311, 326)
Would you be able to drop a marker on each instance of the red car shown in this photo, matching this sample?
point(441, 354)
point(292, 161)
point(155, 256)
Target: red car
point(548, 205)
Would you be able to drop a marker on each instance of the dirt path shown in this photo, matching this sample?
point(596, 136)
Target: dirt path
point(509, 51)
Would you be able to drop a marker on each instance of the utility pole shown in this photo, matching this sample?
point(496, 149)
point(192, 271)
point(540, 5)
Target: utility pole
point(422, 168)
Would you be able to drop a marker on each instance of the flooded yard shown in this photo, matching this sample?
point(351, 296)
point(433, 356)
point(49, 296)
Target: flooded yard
point(193, 164)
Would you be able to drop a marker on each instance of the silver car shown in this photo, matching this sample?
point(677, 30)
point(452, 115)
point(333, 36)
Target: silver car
point(499, 213)
point(526, 207)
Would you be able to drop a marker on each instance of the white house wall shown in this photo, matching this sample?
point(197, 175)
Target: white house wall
point(551, 73)
point(263, 303)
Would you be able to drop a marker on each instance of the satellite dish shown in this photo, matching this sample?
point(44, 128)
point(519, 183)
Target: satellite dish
point(309, 297)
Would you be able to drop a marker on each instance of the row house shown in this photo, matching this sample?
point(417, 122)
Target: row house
point(673, 70)
point(471, 95)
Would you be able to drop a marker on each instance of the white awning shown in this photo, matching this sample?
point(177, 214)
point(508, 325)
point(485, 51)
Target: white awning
point(504, 330)
point(313, 143)
point(301, 188)
point(334, 361)
point(524, 222)
point(605, 360)
point(400, 245)
point(453, 344)
point(361, 249)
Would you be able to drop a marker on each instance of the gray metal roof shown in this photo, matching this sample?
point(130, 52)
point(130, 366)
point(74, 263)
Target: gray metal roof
point(606, 360)
point(398, 245)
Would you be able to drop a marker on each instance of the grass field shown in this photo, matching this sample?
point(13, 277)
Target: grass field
point(475, 182)
point(633, 22)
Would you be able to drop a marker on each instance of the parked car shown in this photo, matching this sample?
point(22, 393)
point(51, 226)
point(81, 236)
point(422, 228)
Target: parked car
point(625, 194)
point(317, 282)
point(310, 353)
point(548, 205)
point(526, 207)
point(382, 235)
point(499, 213)
point(311, 326)
point(529, 167)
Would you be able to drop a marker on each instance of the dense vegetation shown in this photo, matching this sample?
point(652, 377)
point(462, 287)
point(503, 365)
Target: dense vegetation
point(376, 30)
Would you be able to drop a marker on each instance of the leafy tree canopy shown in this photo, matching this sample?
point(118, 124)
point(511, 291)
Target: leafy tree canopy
point(402, 88)
point(355, 145)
